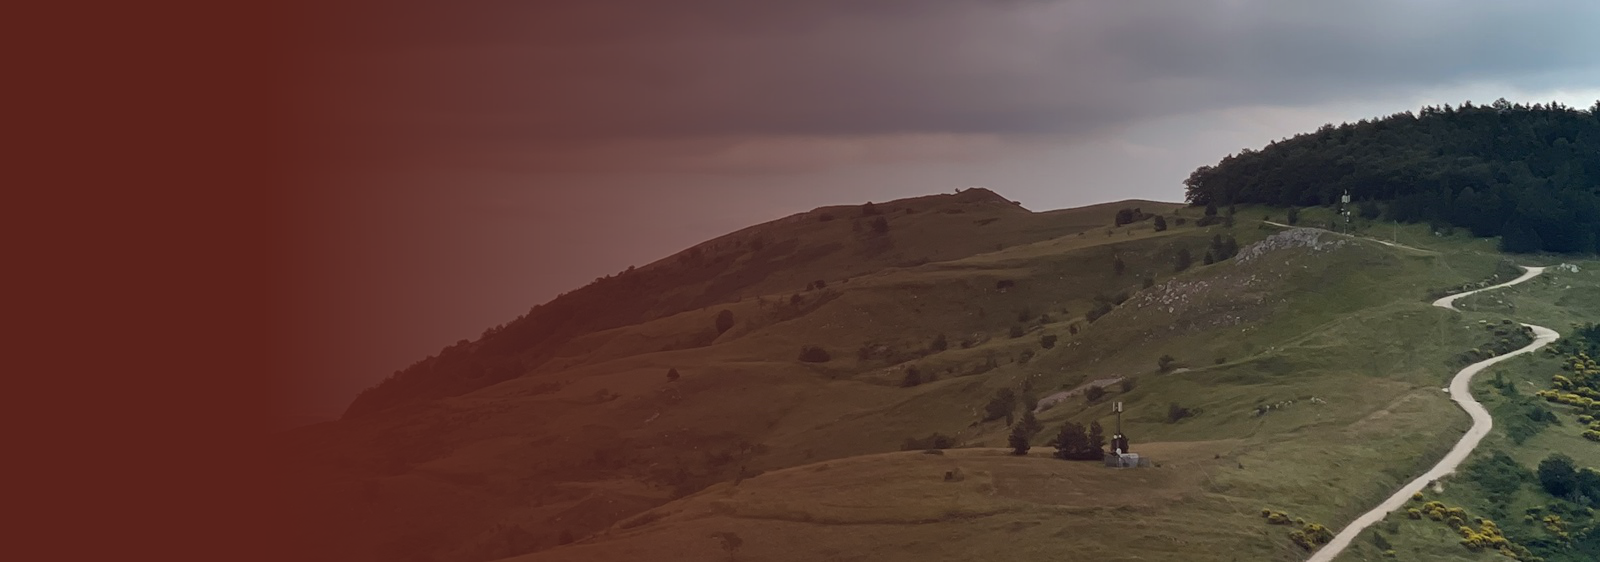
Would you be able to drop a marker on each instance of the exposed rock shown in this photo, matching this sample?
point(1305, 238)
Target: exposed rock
point(1316, 240)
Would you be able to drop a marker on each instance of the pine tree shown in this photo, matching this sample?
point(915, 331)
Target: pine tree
point(1096, 441)
point(1019, 440)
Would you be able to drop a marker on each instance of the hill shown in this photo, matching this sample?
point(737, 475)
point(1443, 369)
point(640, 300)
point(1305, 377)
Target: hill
point(828, 244)
point(1230, 350)
point(1530, 174)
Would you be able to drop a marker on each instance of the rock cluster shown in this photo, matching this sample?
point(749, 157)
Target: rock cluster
point(1316, 240)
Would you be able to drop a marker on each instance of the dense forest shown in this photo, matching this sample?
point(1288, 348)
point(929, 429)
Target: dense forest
point(1530, 174)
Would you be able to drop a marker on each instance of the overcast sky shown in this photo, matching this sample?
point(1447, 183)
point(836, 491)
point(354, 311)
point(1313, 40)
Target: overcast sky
point(468, 160)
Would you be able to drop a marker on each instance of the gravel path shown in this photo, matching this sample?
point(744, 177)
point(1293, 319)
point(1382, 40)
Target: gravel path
point(1461, 392)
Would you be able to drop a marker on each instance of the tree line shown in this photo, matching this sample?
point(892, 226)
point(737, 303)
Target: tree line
point(1529, 174)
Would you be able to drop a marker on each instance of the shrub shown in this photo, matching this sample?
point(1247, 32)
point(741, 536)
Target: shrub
point(1557, 475)
point(880, 225)
point(1016, 330)
point(1149, 282)
point(1002, 405)
point(1094, 393)
point(1165, 363)
point(1220, 360)
point(1176, 412)
point(1117, 267)
point(1184, 260)
point(724, 320)
point(1160, 223)
point(1100, 308)
point(1047, 341)
point(934, 441)
point(824, 217)
point(913, 378)
point(1294, 215)
point(672, 375)
point(814, 354)
point(939, 343)
point(1004, 284)
point(1126, 385)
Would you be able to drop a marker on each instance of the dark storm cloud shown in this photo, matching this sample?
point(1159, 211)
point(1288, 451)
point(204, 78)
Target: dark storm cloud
point(524, 73)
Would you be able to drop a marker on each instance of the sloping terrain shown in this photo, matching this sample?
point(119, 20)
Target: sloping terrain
point(1309, 364)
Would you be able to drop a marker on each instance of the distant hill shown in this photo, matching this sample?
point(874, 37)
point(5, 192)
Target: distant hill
point(1530, 174)
point(825, 245)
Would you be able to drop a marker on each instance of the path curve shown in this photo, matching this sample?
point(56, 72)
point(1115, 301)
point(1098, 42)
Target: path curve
point(1461, 392)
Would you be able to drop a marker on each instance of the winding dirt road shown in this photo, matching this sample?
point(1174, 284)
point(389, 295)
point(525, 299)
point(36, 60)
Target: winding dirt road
point(1461, 392)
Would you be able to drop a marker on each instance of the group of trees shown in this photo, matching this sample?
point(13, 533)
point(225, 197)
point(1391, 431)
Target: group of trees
point(1529, 174)
point(1075, 442)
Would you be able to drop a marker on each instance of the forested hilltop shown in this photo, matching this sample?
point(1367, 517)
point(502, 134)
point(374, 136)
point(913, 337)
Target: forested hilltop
point(1530, 174)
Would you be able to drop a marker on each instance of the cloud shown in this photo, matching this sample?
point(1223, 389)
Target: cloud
point(517, 74)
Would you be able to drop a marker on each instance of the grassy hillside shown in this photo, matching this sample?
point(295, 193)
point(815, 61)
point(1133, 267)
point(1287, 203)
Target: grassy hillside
point(775, 259)
point(1499, 481)
point(1311, 363)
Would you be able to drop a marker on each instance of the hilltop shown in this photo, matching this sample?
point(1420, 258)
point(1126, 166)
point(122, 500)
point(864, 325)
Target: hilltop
point(828, 244)
point(1297, 370)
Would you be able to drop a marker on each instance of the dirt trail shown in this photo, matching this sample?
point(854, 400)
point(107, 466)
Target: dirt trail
point(1461, 392)
point(1384, 242)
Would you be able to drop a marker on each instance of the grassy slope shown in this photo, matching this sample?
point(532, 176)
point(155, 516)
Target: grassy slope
point(504, 469)
point(1556, 300)
point(1301, 332)
point(597, 434)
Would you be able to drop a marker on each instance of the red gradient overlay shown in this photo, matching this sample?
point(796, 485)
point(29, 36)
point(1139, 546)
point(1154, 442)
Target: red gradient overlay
point(145, 257)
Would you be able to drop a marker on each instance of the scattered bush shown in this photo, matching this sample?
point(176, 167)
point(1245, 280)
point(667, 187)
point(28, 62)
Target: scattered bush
point(1047, 341)
point(1165, 363)
point(1002, 405)
point(1094, 394)
point(1184, 260)
point(672, 375)
point(939, 343)
point(880, 225)
point(1557, 475)
point(1160, 223)
point(814, 354)
point(1100, 308)
point(1117, 266)
point(913, 378)
point(1004, 284)
point(1294, 215)
point(935, 441)
point(1126, 385)
point(724, 320)
point(1016, 331)
point(1176, 412)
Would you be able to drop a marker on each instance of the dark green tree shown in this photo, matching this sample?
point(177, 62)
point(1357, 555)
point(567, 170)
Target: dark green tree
point(1019, 440)
point(1557, 475)
point(1096, 440)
